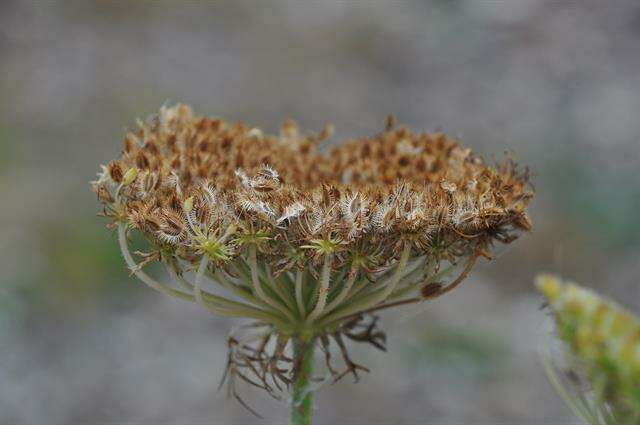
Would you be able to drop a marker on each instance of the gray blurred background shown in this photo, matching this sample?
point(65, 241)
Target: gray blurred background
point(556, 83)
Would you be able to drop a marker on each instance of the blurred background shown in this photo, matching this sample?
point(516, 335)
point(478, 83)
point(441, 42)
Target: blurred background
point(554, 83)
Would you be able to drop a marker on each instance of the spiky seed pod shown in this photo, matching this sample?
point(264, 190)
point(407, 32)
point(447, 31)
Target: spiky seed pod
point(304, 241)
point(604, 339)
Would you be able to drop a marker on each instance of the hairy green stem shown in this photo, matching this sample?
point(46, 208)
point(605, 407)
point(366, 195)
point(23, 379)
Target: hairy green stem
point(276, 285)
point(402, 291)
point(299, 299)
point(323, 288)
point(214, 303)
point(135, 269)
point(257, 285)
point(371, 299)
point(357, 288)
point(197, 287)
point(351, 278)
point(176, 274)
point(302, 393)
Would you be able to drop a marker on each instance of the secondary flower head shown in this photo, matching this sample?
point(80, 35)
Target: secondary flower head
point(307, 242)
point(604, 340)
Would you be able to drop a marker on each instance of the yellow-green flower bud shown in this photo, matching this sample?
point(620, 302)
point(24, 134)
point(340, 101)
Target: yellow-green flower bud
point(604, 337)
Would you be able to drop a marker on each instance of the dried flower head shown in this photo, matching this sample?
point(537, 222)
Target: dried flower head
point(306, 242)
point(604, 341)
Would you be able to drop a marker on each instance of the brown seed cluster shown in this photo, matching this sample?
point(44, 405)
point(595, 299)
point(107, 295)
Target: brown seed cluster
point(194, 178)
point(307, 243)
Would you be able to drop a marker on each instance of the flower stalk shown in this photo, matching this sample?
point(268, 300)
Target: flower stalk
point(298, 293)
point(323, 288)
point(260, 291)
point(370, 300)
point(301, 389)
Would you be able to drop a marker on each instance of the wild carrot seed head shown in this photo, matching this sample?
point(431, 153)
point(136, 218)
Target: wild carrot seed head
point(307, 243)
point(370, 194)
